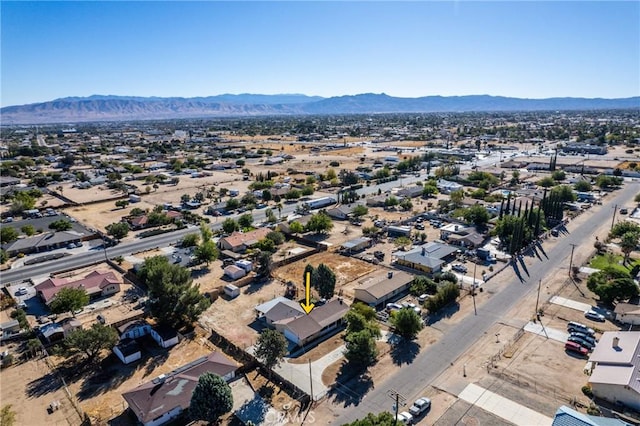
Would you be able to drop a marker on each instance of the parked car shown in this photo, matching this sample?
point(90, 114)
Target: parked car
point(393, 307)
point(22, 291)
point(378, 255)
point(576, 326)
point(458, 267)
point(585, 344)
point(420, 406)
point(228, 261)
point(419, 226)
point(405, 418)
point(423, 298)
point(576, 348)
point(624, 211)
point(593, 315)
point(585, 336)
point(101, 319)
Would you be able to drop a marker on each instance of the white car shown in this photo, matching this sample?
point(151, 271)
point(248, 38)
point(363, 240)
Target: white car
point(405, 418)
point(420, 406)
point(593, 315)
point(22, 291)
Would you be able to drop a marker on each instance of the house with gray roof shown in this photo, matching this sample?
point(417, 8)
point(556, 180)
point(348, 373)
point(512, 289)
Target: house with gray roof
point(381, 288)
point(566, 416)
point(615, 375)
point(427, 258)
point(166, 397)
point(43, 242)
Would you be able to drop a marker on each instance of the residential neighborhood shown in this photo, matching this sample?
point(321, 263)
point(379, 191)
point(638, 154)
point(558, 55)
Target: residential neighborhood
point(429, 270)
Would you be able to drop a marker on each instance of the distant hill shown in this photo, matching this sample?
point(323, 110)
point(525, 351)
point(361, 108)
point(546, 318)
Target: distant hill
point(118, 108)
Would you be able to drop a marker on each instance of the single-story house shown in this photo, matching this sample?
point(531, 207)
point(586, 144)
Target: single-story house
point(398, 231)
point(59, 330)
point(454, 229)
point(471, 240)
point(321, 321)
point(627, 313)
point(234, 272)
point(128, 351)
point(240, 241)
point(356, 245)
point(447, 187)
point(566, 416)
point(381, 288)
point(376, 201)
point(164, 336)
point(44, 242)
point(96, 284)
point(427, 258)
point(134, 329)
point(343, 211)
point(411, 192)
point(167, 396)
point(273, 160)
point(616, 368)
point(278, 309)
point(11, 326)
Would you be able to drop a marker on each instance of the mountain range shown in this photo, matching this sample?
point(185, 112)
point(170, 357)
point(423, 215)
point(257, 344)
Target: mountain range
point(120, 108)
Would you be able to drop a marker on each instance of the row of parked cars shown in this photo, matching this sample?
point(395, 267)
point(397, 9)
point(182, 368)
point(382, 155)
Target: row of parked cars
point(419, 407)
point(581, 339)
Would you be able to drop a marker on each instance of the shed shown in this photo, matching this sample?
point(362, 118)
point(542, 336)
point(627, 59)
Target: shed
point(356, 245)
point(128, 351)
point(231, 290)
point(234, 272)
point(165, 336)
point(244, 264)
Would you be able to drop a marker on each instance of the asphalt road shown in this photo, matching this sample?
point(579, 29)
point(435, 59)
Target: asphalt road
point(435, 359)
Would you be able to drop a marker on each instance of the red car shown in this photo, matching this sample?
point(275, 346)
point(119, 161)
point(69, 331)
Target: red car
point(574, 347)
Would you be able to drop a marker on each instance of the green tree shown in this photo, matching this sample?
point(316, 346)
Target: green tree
point(206, 252)
point(564, 193)
point(28, 230)
point(637, 198)
point(229, 225)
point(8, 234)
point(628, 243)
point(232, 204)
point(22, 201)
point(382, 419)
point(265, 263)
point(612, 285)
point(358, 321)
point(360, 349)
point(276, 236)
point(324, 280)
point(407, 323)
point(582, 186)
point(190, 240)
point(429, 190)
point(621, 228)
point(402, 242)
point(546, 182)
point(477, 214)
point(558, 175)
point(271, 348)
point(319, 223)
point(391, 201)
point(69, 300)
point(174, 298)
point(3, 256)
point(118, 230)
point(21, 316)
point(245, 221)
point(457, 197)
point(359, 210)
point(406, 204)
point(90, 342)
point(423, 285)
point(211, 398)
point(296, 227)
point(122, 203)
point(60, 225)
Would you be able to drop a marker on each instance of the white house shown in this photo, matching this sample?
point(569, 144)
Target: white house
point(447, 187)
point(616, 368)
point(134, 329)
point(628, 313)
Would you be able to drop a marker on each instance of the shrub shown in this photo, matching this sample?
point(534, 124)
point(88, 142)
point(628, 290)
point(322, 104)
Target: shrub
point(586, 390)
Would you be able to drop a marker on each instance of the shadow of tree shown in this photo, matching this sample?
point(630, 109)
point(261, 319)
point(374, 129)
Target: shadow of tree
point(446, 312)
point(44, 385)
point(352, 384)
point(404, 352)
point(110, 375)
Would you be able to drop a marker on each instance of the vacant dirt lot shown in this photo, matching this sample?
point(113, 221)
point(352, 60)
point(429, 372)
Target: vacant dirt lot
point(99, 215)
point(347, 269)
point(29, 388)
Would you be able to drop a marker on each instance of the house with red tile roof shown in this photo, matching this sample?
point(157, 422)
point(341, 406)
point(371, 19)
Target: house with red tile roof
point(240, 241)
point(96, 284)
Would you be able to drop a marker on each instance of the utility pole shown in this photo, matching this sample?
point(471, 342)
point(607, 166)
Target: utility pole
point(398, 399)
point(573, 246)
point(538, 299)
point(615, 208)
point(473, 289)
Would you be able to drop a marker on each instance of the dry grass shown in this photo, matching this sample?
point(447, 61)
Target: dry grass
point(321, 350)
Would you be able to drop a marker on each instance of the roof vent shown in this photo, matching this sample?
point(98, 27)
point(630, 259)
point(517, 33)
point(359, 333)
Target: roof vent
point(390, 274)
point(614, 342)
point(424, 251)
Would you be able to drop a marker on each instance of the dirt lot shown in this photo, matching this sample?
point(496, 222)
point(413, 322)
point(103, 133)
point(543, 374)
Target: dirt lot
point(29, 388)
point(347, 269)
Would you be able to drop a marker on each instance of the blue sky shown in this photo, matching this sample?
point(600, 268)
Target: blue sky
point(522, 49)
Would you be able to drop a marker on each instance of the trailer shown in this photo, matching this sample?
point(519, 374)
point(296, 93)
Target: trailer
point(319, 203)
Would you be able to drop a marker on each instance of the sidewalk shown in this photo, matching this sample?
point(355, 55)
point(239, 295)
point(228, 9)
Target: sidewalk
point(555, 334)
point(568, 303)
point(503, 407)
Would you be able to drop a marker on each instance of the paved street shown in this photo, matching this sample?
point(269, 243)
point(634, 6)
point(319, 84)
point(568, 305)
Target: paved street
point(434, 360)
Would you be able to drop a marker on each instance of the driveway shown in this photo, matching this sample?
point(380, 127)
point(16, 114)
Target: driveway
point(551, 333)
